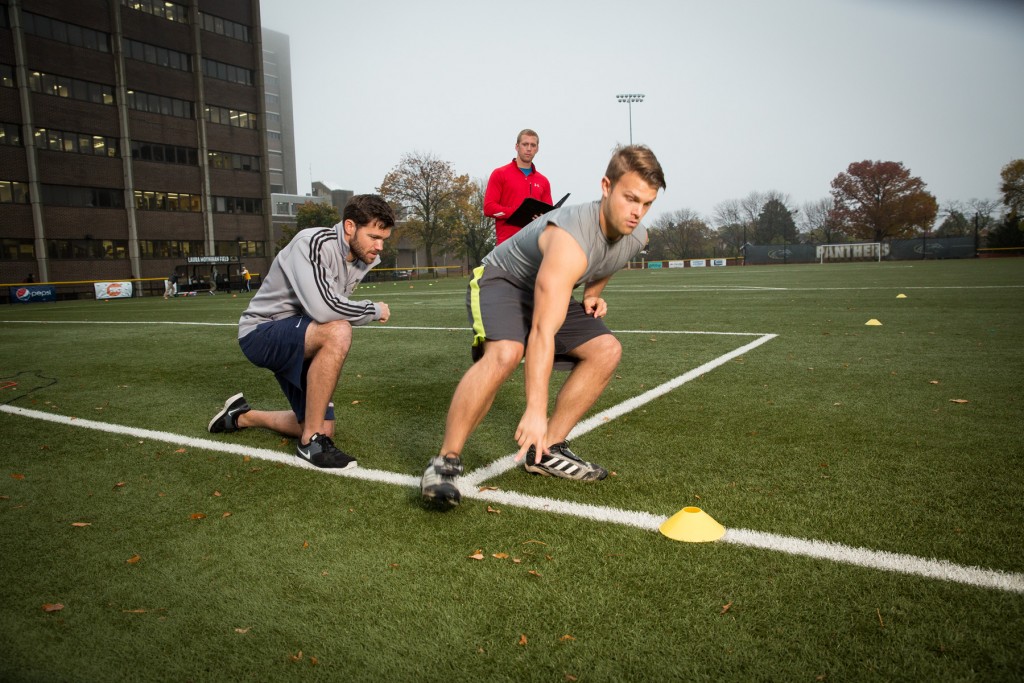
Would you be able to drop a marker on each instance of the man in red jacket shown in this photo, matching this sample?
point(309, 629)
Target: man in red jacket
point(510, 184)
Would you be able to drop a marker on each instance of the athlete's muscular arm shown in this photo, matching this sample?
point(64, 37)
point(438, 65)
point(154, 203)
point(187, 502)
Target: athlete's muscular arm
point(563, 264)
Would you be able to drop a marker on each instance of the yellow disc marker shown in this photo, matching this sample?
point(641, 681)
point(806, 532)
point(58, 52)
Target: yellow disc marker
point(692, 525)
point(873, 321)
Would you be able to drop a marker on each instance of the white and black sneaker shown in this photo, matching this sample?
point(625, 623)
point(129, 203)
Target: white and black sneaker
point(322, 452)
point(439, 485)
point(562, 462)
point(227, 419)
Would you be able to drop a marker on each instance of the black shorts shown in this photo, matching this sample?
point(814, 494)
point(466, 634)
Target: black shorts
point(500, 307)
point(280, 346)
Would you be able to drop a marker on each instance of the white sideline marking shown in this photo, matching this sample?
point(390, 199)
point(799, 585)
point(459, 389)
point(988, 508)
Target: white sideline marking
point(835, 552)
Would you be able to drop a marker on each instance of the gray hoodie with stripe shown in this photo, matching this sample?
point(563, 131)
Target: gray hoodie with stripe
point(311, 276)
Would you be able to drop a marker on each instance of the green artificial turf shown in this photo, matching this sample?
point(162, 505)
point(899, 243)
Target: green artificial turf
point(196, 564)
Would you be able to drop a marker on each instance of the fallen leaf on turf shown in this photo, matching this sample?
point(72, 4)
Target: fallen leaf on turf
point(297, 657)
point(217, 493)
point(566, 637)
point(726, 607)
point(478, 555)
point(958, 400)
point(533, 541)
point(393, 565)
point(570, 678)
point(500, 556)
point(516, 560)
point(522, 639)
point(488, 488)
point(494, 510)
point(181, 450)
point(80, 524)
point(17, 476)
point(305, 544)
point(198, 515)
point(226, 514)
point(534, 572)
point(243, 631)
point(134, 559)
point(44, 447)
point(246, 458)
point(933, 381)
point(52, 607)
point(355, 403)
point(313, 661)
point(119, 485)
point(133, 611)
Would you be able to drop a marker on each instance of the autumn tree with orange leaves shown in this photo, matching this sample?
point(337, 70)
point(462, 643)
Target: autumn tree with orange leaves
point(880, 200)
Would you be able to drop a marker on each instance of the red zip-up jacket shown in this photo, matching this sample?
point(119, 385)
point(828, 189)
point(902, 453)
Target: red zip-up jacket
point(506, 190)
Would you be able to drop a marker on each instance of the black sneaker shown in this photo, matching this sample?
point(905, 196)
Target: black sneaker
point(563, 463)
point(322, 452)
point(439, 485)
point(227, 419)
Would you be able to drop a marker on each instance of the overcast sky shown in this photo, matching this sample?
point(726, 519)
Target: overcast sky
point(741, 95)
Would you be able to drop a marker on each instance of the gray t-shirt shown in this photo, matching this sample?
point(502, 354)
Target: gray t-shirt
point(520, 255)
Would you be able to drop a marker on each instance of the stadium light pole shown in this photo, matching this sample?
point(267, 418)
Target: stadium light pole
point(629, 99)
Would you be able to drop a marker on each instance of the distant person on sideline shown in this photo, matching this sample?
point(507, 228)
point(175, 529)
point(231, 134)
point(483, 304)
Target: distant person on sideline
point(171, 285)
point(520, 304)
point(299, 326)
point(510, 184)
point(246, 278)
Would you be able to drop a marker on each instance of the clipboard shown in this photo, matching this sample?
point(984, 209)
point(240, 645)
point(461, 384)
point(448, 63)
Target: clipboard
point(532, 207)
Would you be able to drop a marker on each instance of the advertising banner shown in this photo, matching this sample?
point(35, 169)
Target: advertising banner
point(698, 263)
point(30, 294)
point(113, 290)
point(654, 264)
point(719, 262)
point(677, 264)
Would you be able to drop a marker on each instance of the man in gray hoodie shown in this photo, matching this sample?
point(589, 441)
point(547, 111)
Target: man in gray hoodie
point(299, 326)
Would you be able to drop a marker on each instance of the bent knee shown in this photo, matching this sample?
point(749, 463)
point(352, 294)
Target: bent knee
point(605, 349)
point(506, 355)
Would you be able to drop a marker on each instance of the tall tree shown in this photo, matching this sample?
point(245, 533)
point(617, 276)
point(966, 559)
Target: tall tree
point(816, 222)
point(1012, 187)
point(309, 215)
point(428, 192)
point(681, 234)
point(477, 232)
point(775, 224)
point(879, 200)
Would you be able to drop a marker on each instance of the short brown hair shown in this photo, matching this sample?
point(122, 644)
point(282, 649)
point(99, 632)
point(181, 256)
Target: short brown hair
point(527, 131)
point(362, 209)
point(637, 159)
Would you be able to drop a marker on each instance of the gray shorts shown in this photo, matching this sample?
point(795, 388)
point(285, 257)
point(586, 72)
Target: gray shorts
point(500, 307)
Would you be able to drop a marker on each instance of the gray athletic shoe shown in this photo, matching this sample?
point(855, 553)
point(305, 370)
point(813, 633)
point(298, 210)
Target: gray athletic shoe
point(562, 462)
point(322, 452)
point(227, 419)
point(439, 485)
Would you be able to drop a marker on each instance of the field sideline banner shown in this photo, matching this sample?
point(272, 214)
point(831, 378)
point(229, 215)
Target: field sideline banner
point(113, 290)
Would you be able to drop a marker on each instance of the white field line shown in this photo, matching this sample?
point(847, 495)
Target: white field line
point(834, 552)
point(593, 422)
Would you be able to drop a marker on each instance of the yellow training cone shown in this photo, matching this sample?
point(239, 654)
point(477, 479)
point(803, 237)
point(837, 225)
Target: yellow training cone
point(873, 321)
point(692, 525)
point(901, 296)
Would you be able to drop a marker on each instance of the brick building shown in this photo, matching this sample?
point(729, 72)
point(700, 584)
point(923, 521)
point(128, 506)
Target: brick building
point(131, 137)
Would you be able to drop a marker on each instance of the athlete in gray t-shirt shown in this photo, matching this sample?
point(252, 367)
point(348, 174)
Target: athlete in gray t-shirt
point(520, 304)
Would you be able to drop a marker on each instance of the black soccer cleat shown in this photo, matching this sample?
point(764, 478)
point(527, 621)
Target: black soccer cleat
point(562, 462)
point(439, 485)
point(227, 419)
point(322, 452)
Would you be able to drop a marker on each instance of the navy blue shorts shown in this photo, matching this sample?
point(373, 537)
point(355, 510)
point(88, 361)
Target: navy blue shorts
point(280, 346)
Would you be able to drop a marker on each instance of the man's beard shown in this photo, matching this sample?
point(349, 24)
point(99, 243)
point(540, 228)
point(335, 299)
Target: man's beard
point(361, 253)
